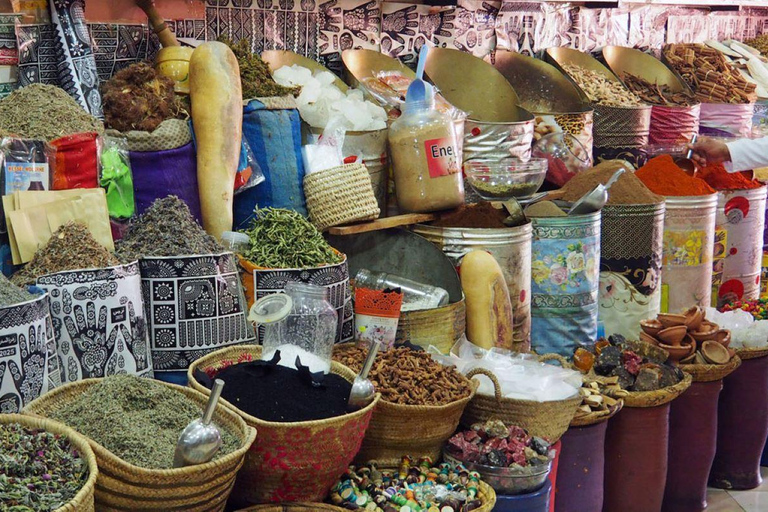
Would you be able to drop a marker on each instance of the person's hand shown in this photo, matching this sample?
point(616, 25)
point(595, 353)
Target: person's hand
point(709, 151)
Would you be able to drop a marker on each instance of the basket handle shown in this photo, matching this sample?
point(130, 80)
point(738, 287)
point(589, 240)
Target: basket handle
point(556, 357)
point(490, 375)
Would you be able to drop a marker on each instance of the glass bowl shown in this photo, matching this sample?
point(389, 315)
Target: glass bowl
point(499, 181)
point(507, 481)
point(565, 154)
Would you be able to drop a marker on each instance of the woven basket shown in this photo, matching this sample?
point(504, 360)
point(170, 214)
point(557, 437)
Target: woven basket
point(595, 417)
point(751, 353)
point(340, 195)
point(658, 397)
point(292, 461)
point(543, 419)
point(83, 500)
point(123, 487)
point(711, 372)
point(439, 327)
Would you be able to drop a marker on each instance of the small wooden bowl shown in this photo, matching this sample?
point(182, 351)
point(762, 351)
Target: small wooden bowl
point(714, 352)
point(651, 326)
point(723, 337)
point(671, 320)
point(693, 317)
point(647, 338)
point(673, 335)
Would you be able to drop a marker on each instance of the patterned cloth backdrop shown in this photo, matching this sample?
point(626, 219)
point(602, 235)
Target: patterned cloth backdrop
point(347, 25)
point(118, 46)
point(516, 27)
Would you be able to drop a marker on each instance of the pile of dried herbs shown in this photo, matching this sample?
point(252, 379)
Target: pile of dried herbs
point(138, 420)
point(255, 75)
point(70, 247)
point(138, 98)
point(44, 112)
point(39, 471)
point(166, 228)
point(11, 294)
point(285, 239)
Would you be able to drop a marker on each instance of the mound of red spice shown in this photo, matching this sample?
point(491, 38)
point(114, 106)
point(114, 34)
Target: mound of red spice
point(662, 176)
point(720, 179)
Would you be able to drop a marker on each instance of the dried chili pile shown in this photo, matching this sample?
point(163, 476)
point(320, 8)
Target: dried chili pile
point(662, 176)
point(720, 179)
point(408, 377)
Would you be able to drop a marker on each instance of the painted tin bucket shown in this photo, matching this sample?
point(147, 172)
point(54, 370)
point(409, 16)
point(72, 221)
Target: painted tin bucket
point(630, 266)
point(670, 124)
point(689, 236)
point(733, 118)
point(764, 274)
point(565, 278)
point(578, 124)
point(621, 133)
point(497, 141)
point(738, 248)
point(512, 249)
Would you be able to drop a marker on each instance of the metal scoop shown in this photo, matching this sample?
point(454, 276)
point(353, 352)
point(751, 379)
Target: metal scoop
point(362, 390)
point(596, 198)
point(201, 439)
point(686, 164)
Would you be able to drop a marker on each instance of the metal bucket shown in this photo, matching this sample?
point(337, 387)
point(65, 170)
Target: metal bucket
point(578, 124)
point(621, 132)
point(738, 246)
point(689, 236)
point(670, 125)
point(512, 249)
point(565, 277)
point(733, 118)
point(630, 266)
point(497, 141)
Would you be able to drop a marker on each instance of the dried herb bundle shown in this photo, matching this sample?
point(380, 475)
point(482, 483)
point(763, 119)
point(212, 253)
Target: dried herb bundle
point(139, 420)
point(70, 247)
point(657, 94)
point(11, 294)
point(285, 239)
point(166, 228)
point(44, 112)
point(39, 471)
point(138, 98)
point(255, 74)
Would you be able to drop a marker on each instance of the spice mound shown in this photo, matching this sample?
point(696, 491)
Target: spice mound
point(138, 420)
point(285, 239)
point(600, 90)
point(39, 471)
point(478, 215)
point(494, 444)
point(44, 112)
point(544, 209)
point(255, 74)
point(166, 228)
point(138, 98)
point(10, 294)
point(272, 392)
point(657, 94)
point(408, 377)
point(662, 176)
point(628, 189)
point(720, 179)
point(70, 247)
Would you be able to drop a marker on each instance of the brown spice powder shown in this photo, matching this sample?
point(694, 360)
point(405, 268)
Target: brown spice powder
point(627, 190)
point(479, 215)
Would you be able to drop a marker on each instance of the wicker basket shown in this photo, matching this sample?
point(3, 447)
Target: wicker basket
point(83, 500)
point(544, 419)
point(658, 397)
point(123, 487)
point(711, 372)
point(439, 327)
point(292, 461)
point(340, 195)
point(751, 353)
point(595, 417)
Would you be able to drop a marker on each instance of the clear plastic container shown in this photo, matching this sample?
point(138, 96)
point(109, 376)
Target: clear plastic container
point(416, 296)
point(426, 159)
point(236, 242)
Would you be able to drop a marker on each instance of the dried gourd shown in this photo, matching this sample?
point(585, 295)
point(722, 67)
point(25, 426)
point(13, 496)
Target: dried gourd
point(489, 310)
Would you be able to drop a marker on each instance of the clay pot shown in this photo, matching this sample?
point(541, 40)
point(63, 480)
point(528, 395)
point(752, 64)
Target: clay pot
point(636, 445)
point(647, 338)
point(679, 352)
point(742, 426)
point(693, 317)
point(651, 326)
point(692, 444)
point(714, 352)
point(580, 470)
point(673, 335)
point(691, 359)
point(723, 337)
point(706, 331)
point(671, 319)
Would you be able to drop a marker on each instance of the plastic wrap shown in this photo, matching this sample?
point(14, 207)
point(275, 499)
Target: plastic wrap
point(116, 178)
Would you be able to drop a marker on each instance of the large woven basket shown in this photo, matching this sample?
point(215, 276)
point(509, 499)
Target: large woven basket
point(340, 195)
point(83, 500)
point(292, 461)
point(595, 417)
point(123, 487)
point(439, 327)
point(658, 397)
point(544, 419)
point(711, 372)
point(751, 353)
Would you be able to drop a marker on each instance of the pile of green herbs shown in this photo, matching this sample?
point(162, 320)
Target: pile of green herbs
point(255, 75)
point(285, 239)
point(39, 471)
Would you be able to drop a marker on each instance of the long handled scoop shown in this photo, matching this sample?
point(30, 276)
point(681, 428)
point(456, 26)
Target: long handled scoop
point(417, 91)
point(201, 439)
point(596, 198)
point(362, 390)
point(686, 164)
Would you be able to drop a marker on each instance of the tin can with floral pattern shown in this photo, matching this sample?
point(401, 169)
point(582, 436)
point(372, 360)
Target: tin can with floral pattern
point(689, 236)
point(565, 271)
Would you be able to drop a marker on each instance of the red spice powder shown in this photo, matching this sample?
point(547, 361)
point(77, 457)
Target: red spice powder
point(662, 176)
point(720, 179)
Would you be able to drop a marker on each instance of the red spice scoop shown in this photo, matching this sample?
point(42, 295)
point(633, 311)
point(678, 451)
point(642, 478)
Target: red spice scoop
point(687, 164)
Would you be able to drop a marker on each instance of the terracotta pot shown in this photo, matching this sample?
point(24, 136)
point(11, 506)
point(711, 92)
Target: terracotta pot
point(636, 459)
point(742, 427)
point(692, 443)
point(580, 471)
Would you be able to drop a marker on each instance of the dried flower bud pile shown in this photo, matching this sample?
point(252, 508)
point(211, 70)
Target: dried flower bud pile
point(494, 444)
point(408, 377)
point(600, 90)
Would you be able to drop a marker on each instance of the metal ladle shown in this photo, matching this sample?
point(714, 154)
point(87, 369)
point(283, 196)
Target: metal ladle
point(362, 390)
point(596, 198)
point(686, 164)
point(201, 439)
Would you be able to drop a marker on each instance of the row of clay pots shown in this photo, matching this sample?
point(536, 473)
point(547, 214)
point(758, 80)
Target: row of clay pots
point(681, 335)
